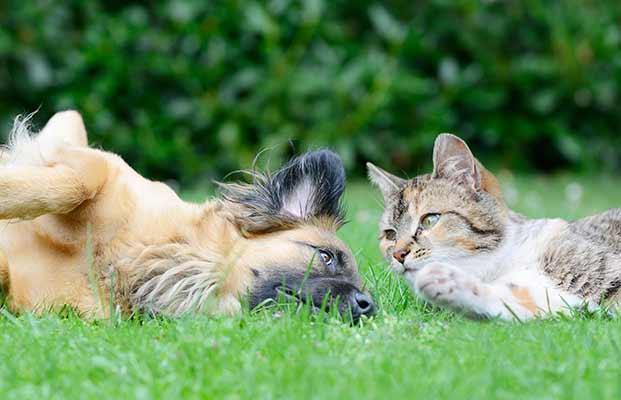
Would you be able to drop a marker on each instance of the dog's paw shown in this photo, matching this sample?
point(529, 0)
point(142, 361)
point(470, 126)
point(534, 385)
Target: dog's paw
point(445, 285)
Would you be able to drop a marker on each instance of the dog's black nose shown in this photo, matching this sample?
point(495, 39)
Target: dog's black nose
point(361, 304)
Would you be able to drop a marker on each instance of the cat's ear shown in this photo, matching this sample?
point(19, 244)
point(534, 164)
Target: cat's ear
point(387, 183)
point(452, 159)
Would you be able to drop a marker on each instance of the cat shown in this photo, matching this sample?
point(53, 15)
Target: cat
point(451, 235)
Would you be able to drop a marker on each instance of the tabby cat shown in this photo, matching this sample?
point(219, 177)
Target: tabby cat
point(458, 245)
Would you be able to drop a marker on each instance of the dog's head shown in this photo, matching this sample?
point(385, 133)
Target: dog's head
point(288, 222)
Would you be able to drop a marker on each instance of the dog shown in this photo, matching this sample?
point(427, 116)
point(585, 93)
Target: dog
point(81, 227)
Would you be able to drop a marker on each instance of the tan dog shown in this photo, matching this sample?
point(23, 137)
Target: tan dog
point(83, 227)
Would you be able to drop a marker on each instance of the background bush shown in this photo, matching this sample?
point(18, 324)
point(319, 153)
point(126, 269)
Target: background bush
point(194, 89)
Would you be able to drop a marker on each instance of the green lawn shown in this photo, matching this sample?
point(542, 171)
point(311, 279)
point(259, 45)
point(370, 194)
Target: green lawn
point(407, 351)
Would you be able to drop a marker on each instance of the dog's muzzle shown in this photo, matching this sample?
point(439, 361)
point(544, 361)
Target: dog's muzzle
point(360, 305)
point(319, 293)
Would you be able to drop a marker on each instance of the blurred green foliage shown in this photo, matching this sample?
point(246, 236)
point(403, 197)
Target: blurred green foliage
point(194, 89)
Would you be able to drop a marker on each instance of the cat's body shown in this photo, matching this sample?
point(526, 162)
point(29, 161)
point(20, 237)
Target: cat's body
point(458, 245)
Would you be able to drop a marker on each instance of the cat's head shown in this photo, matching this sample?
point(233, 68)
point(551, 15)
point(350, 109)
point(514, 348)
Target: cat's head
point(455, 211)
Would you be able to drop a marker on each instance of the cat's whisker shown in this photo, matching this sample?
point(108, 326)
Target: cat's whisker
point(472, 254)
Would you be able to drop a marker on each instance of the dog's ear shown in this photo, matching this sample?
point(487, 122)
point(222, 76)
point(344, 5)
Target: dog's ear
point(307, 189)
point(386, 182)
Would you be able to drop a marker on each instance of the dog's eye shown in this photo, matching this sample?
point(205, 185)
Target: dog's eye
point(326, 257)
point(390, 234)
point(429, 221)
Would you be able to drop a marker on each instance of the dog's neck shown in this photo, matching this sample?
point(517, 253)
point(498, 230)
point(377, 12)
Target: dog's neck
point(195, 272)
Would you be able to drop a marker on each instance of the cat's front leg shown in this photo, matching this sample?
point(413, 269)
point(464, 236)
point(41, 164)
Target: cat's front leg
point(443, 283)
point(448, 286)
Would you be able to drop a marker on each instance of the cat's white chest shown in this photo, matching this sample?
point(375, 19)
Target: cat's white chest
point(521, 250)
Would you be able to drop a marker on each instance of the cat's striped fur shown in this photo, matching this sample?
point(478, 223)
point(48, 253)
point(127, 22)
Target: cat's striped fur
point(476, 256)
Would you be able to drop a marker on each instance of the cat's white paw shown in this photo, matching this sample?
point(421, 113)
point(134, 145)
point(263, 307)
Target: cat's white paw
point(445, 285)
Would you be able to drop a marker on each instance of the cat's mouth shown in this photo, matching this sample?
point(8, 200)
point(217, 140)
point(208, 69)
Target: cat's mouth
point(416, 265)
point(402, 269)
point(397, 267)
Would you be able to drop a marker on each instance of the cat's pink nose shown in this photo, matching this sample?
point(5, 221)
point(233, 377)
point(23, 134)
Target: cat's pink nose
point(400, 255)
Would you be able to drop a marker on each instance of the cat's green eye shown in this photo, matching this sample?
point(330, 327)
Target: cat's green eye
point(390, 234)
point(429, 221)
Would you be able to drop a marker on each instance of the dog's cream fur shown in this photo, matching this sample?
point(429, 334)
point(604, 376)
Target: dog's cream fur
point(80, 223)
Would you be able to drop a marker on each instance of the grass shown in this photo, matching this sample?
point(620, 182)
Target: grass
point(408, 351)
